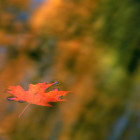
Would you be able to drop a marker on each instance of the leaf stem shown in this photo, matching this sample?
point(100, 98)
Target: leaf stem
point(23, 110)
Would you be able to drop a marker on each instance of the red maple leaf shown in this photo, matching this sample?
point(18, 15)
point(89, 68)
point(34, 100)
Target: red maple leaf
point(36, 94)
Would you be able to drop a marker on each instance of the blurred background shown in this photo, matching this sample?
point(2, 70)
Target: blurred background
point(92, 47)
